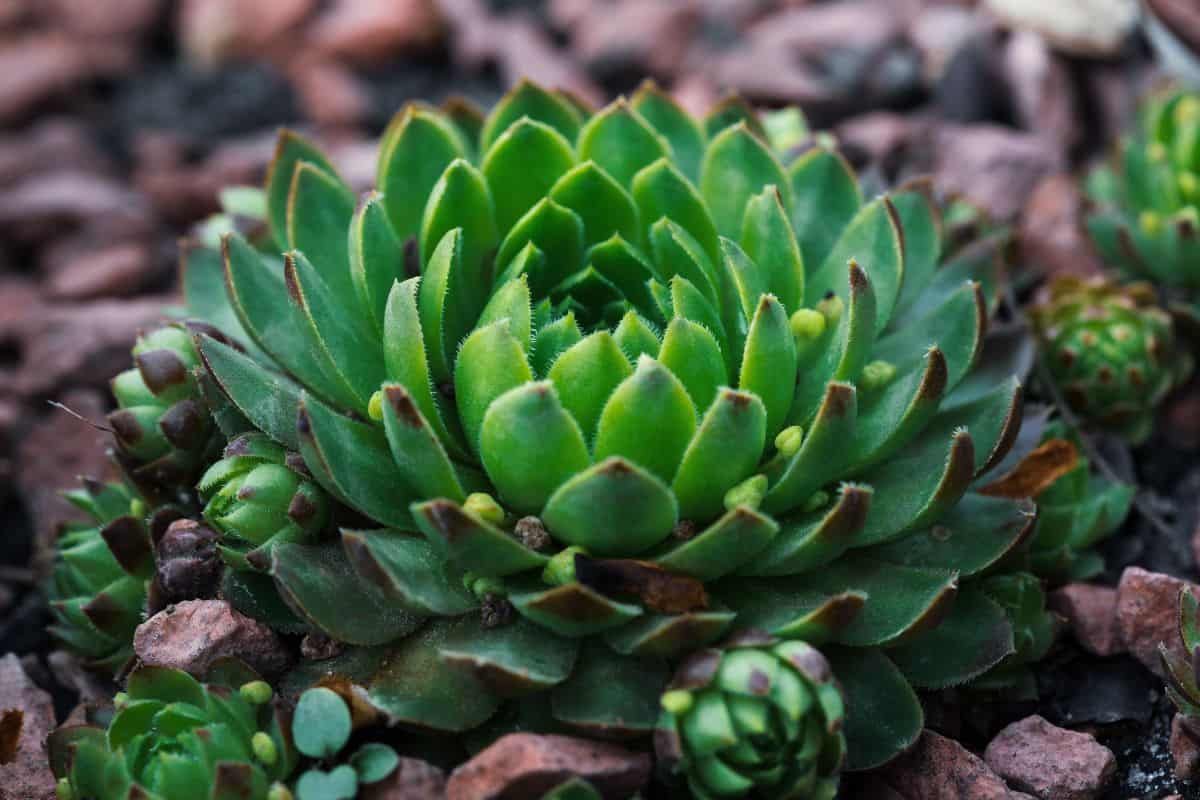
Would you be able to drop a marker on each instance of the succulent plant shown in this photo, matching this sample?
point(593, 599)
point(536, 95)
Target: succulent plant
point(1080, 509)
point(759, 717)
point(1111, 350)
point(605, 386)
point(173, 738)
point(1147, 217)
point(1182, 664)
point(260, 495)
point(163, 429)
point(98, 588)
point(321, 729)
point(186, 565)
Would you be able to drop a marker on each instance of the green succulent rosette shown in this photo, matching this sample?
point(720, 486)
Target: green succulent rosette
point(1080, 509)
point(1147, 216)
point(1181, 662)
point(164, 432)
point(97, 591)
point(627, 381)
point(173, 738)
point(757, 718)
point(258, 496)
point(1111, 350)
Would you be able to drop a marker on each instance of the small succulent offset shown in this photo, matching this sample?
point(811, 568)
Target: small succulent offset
point(1080, 509)
point(600, 389)
point(98, 588)
point(1147, 217)
point(260, 495)
point(321, 728)
point(1183, 669)
point(173, 738)
point(1111, 350)
point(163, 429)
point(758, 717)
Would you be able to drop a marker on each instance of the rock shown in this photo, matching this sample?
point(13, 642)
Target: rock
point(25, 772)
point(214, 31)
point(187, 193)
point(1185, 750)
point(194, 634)
point(526, 765)
point(80, 344)
point(37, 67)
point(68, 670)
point(995, 167)
point(937, 768)
point(372, 31)
point(880, 137)
point(89, 271)
point(1091, 613)
point(516, 45)
point(938, 31)
point(1080, 27)
point(1148, 613)
point(115, 18)
point(52, 455)
point(1180, 17)
point(49, 145)
point(42, 205)
point(1049, 762)
point(642, 36)
point(1050, 231)
point(1042, 91)
point(328, 92)
point(413, 779)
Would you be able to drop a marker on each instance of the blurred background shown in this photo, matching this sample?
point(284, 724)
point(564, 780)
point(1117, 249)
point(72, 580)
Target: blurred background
point(120, 121)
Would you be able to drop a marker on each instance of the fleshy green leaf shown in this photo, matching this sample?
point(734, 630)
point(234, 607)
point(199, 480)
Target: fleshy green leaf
point(620, 141)
point(691, 353)
point(267, 398)
point(416, 449)
point(290, 150)
point(826, 197)
point(527, 99)
point(522, 166)
point(726, 448)
point(586, 374)
point(649, 420)
point(460, 199)
point(673, 124)
point(768, 241)
point(416, 149)
point(376, 257)
point(769, 361)
point(321, 724)
point(737, 166)
point(660, 190)
point(875, 690)
point(603, 204)
point(490, 363)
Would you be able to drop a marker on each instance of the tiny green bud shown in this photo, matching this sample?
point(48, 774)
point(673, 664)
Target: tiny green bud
point(264, 748)
point(1187, 109)
point(877, 374)
point(818, 499)
point(256, 693)
point(120, 700)
point(789, 440)
point(677, 701)
point(1188, 214)
point(375, 406)
point(484, 506)
point(279, 792)
point(831, 307)
point(1150, 223)
point(1188, 183)
point(1157, 151)
point(807, 324)
point(63, 790)
point(481, 587)
point(749, 492)
point(560, 569)
point(137, 508)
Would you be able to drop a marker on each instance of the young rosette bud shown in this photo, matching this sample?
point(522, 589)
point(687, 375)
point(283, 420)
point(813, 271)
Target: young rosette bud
point(173, 737)
point(163, 429)
point(760, 718)
point(1147, 203)
point(98, 588)
point(259, 495)
point(186, 564)
point(1111, 351)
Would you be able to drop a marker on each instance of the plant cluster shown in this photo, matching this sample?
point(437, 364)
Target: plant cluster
point(577, 400)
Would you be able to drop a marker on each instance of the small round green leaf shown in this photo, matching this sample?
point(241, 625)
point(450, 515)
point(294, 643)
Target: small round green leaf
point(321, 725)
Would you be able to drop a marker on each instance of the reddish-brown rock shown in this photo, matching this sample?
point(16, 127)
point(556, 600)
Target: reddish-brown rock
point(1050, 762)
point(193, 634)
point(414, 779)
point(35, 68)
point(1091, 613)
point(27, 776)
point(111, 18)
point(81, 345)
point(1042, 90)
point(329, 93)
point(1051, 233)
point(1148, 613)
point(647, 37)
point(374, 30)
point(995, 167)
point(212, 31)
point(523, 765)
point(937, 768)
point(90, 269)
point(1185, 750)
